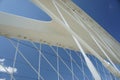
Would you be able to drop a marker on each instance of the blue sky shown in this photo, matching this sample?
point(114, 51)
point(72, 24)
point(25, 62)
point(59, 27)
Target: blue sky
point(105, 12)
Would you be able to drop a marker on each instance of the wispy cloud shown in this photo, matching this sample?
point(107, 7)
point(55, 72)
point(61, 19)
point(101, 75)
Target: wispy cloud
point(5, 69)
point(2, 79)
point(9, 70)
point(2, 60)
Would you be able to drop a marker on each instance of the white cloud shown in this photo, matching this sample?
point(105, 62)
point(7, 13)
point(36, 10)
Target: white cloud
point(2, 60)
point(2, 79)
point(4, 69)
point(9, 69)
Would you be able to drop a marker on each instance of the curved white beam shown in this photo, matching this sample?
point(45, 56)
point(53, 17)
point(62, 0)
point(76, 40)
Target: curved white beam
point(52, 32)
